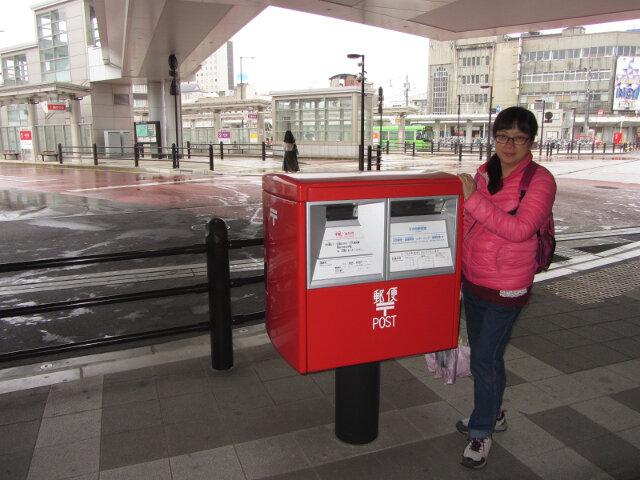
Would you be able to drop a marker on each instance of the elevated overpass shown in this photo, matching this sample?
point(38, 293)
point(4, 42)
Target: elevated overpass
point(137, 36)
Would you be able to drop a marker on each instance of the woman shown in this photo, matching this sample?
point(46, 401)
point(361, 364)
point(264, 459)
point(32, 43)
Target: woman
point(498, 265)
point(290, 161)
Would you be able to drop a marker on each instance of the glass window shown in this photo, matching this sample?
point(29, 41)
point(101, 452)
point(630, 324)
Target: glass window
point(53, 42)
point(440, 90)
point(14, 70)
point(92, 28)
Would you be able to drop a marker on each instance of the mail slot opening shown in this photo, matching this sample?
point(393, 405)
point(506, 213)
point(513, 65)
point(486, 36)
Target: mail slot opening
point(412, 208)
point(342, 211)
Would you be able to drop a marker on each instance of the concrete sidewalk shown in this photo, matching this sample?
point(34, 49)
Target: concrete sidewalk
point(160, 412)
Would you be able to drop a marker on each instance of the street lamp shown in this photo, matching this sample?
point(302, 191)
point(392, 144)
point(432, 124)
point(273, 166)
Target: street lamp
point(361, 150)
point(490, 87)
point(541, 139)
point(586, 114)
point(458, 124)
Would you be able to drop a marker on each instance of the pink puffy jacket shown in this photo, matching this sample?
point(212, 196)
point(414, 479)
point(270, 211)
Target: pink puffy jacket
point(498, 249)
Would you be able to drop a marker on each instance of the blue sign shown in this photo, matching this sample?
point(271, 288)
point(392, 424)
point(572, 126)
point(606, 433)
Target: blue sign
point(497, 108)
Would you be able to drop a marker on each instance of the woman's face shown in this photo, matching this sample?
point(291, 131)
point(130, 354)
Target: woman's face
point(510, 153)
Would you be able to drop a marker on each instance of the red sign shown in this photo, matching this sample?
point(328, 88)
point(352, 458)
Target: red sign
point(25, 135)
point(56, 106)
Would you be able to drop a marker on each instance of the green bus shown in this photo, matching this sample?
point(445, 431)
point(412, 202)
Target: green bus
point(420, 134)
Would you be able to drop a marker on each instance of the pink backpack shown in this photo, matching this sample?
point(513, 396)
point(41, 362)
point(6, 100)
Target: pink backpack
point(546, 234)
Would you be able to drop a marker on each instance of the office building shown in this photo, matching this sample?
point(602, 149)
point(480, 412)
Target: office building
point(584, 83)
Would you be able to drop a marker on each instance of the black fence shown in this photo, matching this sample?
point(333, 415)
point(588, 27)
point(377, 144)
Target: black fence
point(141, 152)
point(218, 286)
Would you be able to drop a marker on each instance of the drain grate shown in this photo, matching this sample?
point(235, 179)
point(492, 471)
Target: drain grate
point(594, 287)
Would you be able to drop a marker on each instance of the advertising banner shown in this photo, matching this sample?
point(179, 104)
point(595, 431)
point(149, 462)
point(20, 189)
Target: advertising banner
point(627, 88)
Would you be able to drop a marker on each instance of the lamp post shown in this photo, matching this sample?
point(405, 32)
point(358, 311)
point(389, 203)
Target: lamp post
point(586, 113)
point(361, 150)
point(490, 87)
point(458, 124)
point(541, 140)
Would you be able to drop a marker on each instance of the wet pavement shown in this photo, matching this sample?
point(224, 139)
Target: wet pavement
point(158, 411)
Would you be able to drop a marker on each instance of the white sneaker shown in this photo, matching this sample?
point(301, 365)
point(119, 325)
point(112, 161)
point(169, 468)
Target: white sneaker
point(501, 424)
point(476, 453)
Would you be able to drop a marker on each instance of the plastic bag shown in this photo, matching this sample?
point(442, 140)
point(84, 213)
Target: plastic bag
point(449, 364)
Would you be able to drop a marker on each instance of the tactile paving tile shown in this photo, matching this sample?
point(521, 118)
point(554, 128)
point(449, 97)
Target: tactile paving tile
point(594, 287)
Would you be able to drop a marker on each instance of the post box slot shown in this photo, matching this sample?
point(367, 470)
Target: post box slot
point(408, 208)
point(346, 211)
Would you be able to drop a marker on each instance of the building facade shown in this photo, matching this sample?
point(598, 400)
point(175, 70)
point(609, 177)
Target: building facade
point(570, 77)
point(59, 87)
point(325, 122)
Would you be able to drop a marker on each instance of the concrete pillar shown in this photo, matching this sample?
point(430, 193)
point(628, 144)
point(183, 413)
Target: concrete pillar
point(436, 131)
point(401, 130)
point(468, 136)
point(32, 122)
point(261, 133)
point(217, 124)
point(76, 136)
point(162, 108)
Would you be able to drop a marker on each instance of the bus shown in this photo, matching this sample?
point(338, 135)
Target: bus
point(422, 135)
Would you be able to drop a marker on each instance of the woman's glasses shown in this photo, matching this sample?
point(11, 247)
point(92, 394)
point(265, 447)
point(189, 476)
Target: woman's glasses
point(503, 139)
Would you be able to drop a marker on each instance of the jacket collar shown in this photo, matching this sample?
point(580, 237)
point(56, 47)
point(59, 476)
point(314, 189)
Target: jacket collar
point(523, 164)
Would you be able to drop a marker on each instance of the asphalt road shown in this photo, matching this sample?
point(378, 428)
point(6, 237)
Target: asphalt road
point(52, 211)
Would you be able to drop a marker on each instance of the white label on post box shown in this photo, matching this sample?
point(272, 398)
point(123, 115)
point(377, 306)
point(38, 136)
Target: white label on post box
point(331, 268)
point(420, 259)
point(344, 253)
point(418, 235)
point(343, 241)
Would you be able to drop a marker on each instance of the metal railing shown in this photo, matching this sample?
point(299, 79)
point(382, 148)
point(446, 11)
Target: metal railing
point(218, 287)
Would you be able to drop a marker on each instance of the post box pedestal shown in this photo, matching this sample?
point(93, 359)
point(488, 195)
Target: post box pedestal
point(357, 402)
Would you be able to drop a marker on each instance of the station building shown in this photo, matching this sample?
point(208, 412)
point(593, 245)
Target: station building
point(60, 88)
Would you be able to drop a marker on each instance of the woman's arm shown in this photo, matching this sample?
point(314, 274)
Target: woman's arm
point(534, 209)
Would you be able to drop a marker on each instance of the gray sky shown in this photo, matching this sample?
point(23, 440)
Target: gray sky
point(295, 50)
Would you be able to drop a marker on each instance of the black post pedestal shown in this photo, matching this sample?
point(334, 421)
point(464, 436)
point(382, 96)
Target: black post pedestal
point(357, 402)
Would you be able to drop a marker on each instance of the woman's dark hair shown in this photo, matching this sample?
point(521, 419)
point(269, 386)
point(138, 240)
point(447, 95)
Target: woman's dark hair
point(288, 137)
point(512, 117)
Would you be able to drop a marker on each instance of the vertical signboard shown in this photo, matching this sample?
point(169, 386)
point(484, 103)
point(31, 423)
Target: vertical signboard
point(26, 140)
point(627, 87)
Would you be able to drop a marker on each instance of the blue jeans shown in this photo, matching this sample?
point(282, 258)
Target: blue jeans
point(489, 329)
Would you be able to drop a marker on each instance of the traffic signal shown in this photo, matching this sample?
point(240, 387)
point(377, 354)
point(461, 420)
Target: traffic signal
point(380, 100)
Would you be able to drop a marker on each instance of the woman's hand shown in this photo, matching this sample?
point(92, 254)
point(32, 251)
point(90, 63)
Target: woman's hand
point(468, 184)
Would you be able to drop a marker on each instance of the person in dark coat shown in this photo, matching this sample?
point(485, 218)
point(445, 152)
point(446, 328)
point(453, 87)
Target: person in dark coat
point(290, 160)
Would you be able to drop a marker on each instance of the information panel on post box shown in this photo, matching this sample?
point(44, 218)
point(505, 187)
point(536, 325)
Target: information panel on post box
point(422, 236)
point(369, 240)
point(344, 242)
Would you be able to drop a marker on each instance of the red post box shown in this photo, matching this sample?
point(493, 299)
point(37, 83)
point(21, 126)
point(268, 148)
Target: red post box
point(361, 267)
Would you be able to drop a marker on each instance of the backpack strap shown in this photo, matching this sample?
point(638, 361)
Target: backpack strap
point(529, 171)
